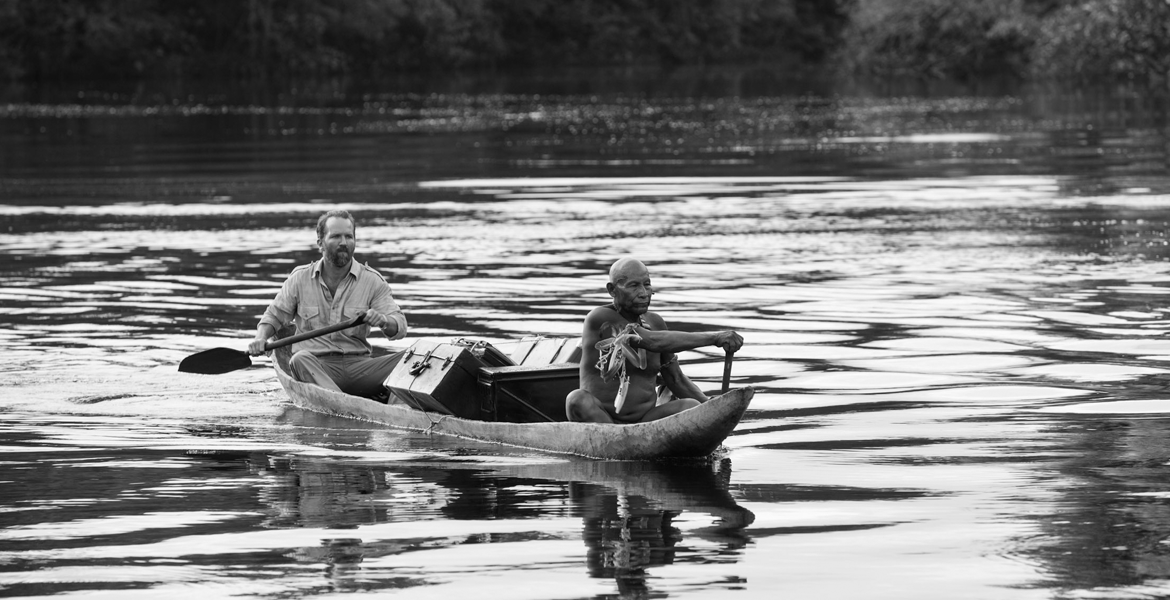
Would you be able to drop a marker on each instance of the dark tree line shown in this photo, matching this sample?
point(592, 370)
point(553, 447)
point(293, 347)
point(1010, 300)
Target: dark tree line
point(49, 39)
point(1085, 40)
point(1079, 40)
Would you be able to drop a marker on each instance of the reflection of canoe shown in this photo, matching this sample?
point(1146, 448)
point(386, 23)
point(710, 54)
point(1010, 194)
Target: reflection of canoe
point(668, 485)
point(692, 433)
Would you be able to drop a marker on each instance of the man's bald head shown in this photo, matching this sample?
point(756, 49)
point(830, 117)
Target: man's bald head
point(629, 285)
point(625, 269)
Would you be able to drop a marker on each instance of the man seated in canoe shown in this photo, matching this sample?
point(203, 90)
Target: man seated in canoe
point(624, 347)
point(332, 290)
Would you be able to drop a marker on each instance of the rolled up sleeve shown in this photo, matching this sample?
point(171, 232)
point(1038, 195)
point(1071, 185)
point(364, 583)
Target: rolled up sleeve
point(385, 304)
point(283, 308)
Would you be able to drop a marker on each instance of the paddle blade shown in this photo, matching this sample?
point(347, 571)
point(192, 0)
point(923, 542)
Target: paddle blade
point(215, 361)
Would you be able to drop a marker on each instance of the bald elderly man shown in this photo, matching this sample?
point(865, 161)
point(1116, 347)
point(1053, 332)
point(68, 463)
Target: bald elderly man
point(618, 380)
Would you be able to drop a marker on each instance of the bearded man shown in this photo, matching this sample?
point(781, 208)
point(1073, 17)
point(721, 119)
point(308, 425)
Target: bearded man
point(333, 290)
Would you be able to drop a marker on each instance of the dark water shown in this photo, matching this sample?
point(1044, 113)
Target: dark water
point(952, 306)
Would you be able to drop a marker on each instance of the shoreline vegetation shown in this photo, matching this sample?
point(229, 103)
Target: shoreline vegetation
point(1074, 41)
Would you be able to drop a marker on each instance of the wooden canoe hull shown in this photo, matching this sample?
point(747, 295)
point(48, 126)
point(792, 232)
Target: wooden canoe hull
point(690, 434)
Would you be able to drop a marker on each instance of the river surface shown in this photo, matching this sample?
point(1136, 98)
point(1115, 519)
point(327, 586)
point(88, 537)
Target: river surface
point(954, 312)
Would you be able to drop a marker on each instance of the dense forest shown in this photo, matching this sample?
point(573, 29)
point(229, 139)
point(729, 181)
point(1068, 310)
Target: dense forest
point(137, 39)
point(1082, 40)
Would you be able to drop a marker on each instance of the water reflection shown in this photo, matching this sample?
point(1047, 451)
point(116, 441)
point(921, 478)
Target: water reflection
point(1106, 538)
point(625, 512)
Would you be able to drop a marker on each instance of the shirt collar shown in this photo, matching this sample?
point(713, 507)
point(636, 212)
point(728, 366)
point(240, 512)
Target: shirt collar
point(354, 268)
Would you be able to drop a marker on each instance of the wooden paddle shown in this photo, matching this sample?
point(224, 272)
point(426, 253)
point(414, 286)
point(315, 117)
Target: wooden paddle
point(224, 360)
point(727, 371)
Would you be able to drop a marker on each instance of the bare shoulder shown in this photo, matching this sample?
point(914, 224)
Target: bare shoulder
point(599, 315)
point(655, 321)
point(596, 321)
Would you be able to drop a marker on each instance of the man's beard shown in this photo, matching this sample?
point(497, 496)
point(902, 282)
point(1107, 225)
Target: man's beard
point(339, 257)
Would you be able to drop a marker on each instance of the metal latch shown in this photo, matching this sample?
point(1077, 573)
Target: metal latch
point(421, 364)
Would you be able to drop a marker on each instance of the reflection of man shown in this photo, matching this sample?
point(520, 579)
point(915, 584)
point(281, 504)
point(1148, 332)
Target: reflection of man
point(619, 387)
point(625, 535)
point(330, 291)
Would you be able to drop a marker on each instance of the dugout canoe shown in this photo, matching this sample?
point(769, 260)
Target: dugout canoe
point(692, 433)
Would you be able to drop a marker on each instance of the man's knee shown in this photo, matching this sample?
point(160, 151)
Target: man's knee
point(573, 401)
point(301, 359)
point(302, 363)
point(580, 405)
point(670, 408)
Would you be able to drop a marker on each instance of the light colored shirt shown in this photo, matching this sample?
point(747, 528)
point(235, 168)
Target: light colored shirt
point(305, 300)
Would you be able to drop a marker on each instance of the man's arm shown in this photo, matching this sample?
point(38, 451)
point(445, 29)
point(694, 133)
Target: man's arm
point(264, 332)
point(660, 339)
point(665, 341)
point(678, 383)
point(280, 312)
point(393, 324)
point(385, 314)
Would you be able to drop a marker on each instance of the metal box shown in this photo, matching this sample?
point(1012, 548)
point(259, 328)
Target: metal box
point(474, 380)
point(440, 377)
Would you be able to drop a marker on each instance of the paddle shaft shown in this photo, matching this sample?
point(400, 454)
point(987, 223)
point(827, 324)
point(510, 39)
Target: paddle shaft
point(727, 371)
point(300, 337)
point(226, 360)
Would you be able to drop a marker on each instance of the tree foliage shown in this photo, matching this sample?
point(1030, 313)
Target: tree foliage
point(939, 38)
point(136, 38)
point(1083, 40)
point(1106, 40)
point(46, 35)
point(1089, 40)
